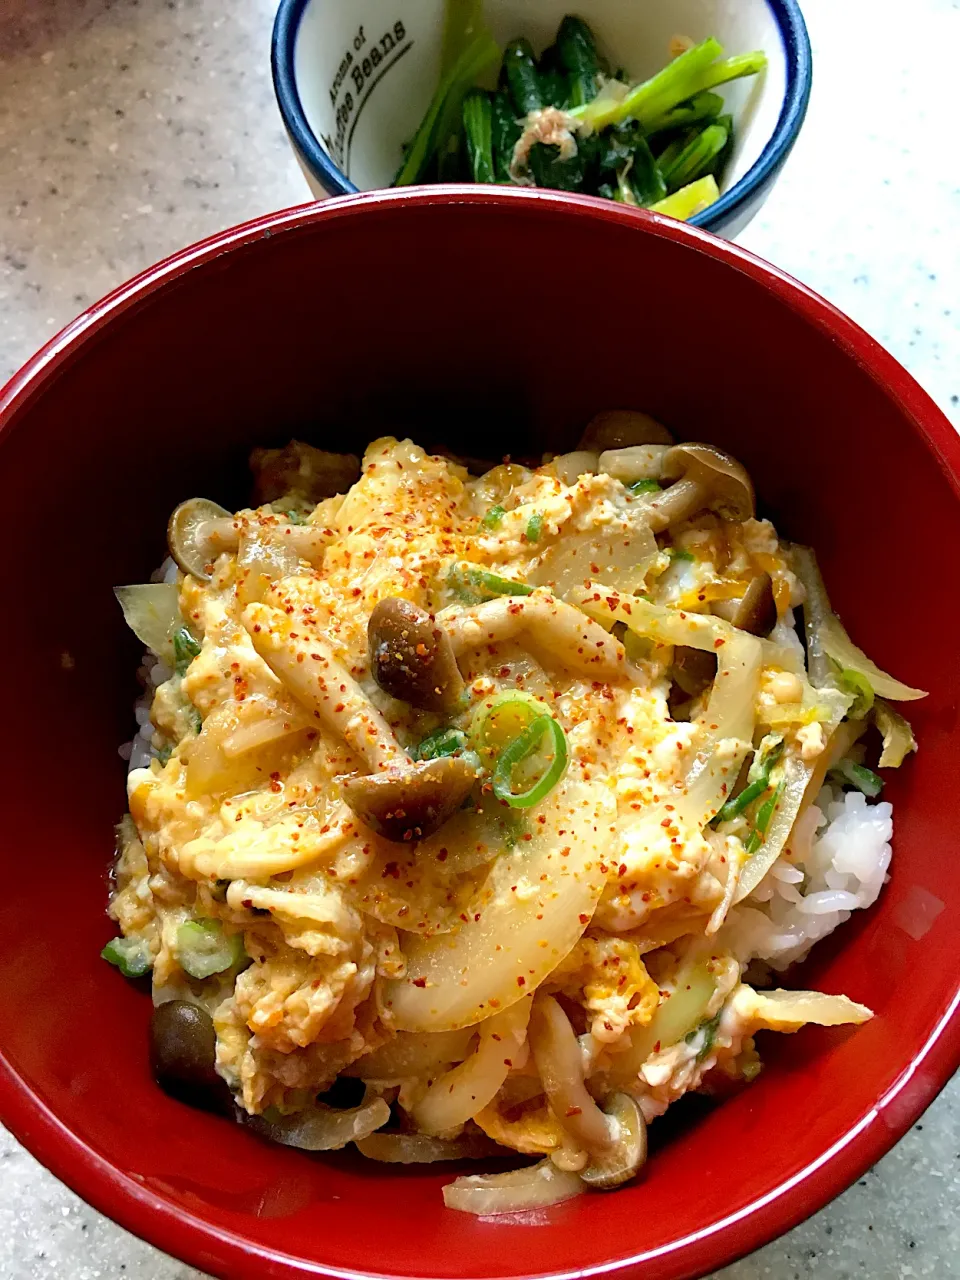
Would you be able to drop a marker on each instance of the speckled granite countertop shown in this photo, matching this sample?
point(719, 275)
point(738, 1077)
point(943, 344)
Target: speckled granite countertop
point(129, 128)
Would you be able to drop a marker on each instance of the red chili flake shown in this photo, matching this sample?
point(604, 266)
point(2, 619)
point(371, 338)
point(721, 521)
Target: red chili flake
point(419, 982)
point(584, 919)
point(521, 981)
point(574, 1111)
point(718, 644)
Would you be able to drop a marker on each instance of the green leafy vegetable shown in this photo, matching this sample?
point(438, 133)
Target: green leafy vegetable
point(506, 134)
point(494, 517)
point(645, 486)
point(709, 1031)
point(522, 77)
point(577, 51)
point(534, 527)
point(479, 53)
point(696, 197)
point(131, 957)
point(478, 130)
point(695, 157)
point(701, 107)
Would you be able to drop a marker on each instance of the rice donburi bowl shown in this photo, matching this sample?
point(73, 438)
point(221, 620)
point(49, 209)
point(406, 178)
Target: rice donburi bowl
point(476, 815)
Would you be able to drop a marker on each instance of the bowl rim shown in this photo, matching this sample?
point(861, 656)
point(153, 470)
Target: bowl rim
point(120, 1194)
point(799, 79)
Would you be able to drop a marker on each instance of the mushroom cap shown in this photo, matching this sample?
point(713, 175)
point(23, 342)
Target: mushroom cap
point(624, 1160)
point(411, 801)
point(185, 535)
point(411, 658)
point(727, 479)
point(620, 428)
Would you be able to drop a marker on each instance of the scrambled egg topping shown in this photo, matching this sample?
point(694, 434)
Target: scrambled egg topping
point(351, 945)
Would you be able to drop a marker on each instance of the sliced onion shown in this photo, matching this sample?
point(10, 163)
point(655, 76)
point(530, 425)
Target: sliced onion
point(492, 1193)
point(418, 1148)
point(322, 1128)
point(408, 1054)
point(898, 739)
point(152, 612)
point(620, 554)
point(674, 626)
point(827, 639)
point(789, 1010)
point(845, 653)
point(456, 1096)
point(535, 903)
point(677, 1015)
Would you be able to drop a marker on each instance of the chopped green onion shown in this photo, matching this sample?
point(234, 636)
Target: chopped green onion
point(680, 553)
point(644, 486)
point(295, 517)
point(131, 957)
point(535, 527)
point(185, 648)
point(442, 742)
point(709, 1030)
point(767, 810)
point(494, 517)
point(165, 752)
point(472, 584)
point(758, 779)
point(849, 773)
point(203, 949)
point(519, 750)
point(857, 684)
point(197, 720)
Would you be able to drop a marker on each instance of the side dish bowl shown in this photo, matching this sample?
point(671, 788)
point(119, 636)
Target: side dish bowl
point(327, 324)
point(353, 81)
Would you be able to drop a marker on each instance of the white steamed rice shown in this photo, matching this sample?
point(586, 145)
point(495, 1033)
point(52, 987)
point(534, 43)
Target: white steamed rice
point(836, 863)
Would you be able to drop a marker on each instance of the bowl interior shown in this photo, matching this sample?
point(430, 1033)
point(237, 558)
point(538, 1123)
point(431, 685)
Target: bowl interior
point(163, 400)
point(366, 75)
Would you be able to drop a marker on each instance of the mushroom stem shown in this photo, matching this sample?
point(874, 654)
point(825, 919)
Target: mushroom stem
point(306, 666)
point(556, 1051)
point(308, 541)
point(559, 629)
point(682, 499)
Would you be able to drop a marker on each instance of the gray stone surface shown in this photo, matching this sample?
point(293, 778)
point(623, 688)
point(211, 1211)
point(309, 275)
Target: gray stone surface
point(129, 128)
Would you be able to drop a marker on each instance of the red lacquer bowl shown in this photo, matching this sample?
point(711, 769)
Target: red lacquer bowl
point(495, 322)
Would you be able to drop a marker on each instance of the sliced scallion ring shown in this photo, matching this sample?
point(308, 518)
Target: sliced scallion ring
point(518, 750)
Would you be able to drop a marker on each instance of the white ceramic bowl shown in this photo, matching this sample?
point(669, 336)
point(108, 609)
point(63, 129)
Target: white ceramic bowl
point(353, 79)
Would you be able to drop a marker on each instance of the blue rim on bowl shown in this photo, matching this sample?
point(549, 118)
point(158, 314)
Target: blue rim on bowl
point(799, 77)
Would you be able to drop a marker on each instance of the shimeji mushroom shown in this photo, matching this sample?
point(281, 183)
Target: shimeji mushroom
point(620, 428)
point(702, 477)
point(625, 1158)
point(411, 658)
point(411, 801)
point(200, 530)
point(755, 611)
point(615, 1139)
